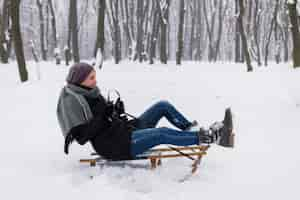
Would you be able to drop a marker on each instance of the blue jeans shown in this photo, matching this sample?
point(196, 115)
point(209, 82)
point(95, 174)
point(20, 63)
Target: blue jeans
point(147, 136)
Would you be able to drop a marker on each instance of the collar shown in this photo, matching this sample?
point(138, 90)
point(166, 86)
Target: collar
point(83, 90)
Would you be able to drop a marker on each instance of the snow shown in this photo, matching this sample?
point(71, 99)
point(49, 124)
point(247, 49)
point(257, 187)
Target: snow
point(291, 1)
point(264, 164)
point(99, 59)
point(56, 51)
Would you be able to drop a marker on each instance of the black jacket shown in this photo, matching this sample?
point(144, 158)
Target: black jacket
point(110, 138)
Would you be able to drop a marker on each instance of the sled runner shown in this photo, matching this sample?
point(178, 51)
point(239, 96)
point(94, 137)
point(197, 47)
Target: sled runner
point(155, 156)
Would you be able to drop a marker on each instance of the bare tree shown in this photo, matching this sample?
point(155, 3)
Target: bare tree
point(199, 43)
point(273, 27)
point(256, 30)
point(5, 39)
point(214, 44)
point(128, 27)
point(243, 35)
point(155, 30)
point(140, 18)
point(42, 29)
point(113, 17)
point(17, 38)
point(164, 20)
point(74, 29)
point(295, 31)
point(100, 27)
point(179, 51)
point(54, 33)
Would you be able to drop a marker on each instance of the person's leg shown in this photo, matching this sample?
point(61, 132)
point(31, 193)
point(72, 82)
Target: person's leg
point(152, 115)
point(144, 139)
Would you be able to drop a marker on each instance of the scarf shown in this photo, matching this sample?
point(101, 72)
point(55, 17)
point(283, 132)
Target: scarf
point(72, 108)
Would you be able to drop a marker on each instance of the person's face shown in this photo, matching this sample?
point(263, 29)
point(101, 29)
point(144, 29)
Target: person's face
point(90, 81)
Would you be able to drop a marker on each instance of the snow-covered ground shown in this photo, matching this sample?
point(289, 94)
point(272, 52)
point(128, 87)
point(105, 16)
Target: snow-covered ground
point(265, 164)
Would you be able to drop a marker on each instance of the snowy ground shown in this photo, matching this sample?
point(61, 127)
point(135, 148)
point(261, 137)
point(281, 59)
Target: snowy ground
point(264, 165)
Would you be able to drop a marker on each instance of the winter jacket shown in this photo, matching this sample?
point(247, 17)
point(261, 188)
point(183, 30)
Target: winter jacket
point(109, 136)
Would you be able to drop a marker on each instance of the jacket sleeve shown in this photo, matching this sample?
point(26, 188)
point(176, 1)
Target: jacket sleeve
point(84, 132)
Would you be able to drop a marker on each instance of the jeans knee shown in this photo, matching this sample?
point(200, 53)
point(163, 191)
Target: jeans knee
point(163, 103)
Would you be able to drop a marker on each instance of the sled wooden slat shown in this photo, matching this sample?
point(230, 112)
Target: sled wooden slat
point(156, 155)
point(176, 155)
point(202, 148)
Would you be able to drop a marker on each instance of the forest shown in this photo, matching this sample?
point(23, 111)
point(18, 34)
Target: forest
point(254, 32)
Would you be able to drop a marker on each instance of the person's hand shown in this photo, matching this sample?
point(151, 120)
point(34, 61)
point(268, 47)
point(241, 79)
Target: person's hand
point(68, 140)
point(109, 109)
point(119, 106)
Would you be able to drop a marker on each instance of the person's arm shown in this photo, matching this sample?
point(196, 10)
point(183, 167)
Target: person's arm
point(84, 132)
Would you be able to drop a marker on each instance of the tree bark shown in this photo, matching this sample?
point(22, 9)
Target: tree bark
point(273, 23)
point(42, 30)
point(164, 21)
point(180, 33)
point(74, 30)
point(17, 39)
point(100, 27)
point(140, 13)
point(295, 33)
point(257, 17)
point(243, 36)
point(5, 40)
point(154, 34)
point(116, 32)
point(54, 33)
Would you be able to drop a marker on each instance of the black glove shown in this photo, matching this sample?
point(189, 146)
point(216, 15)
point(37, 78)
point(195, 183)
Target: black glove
point(119, 106)
point(68, 140)
point(109, 109)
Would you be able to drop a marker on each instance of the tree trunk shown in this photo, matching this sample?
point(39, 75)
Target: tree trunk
point(140, 32)
point(116, 34)
point(154, 34)
point(42, 30)
point(257, 17)
point(180, 33)
point(17, 39)
point(199, 31)
point(237, 36)
point(164, 21)
point(210, 28)
point(129, 30)
point(5, 40)
point(273, 23)
point(3, 47)
point(67, 48)
point(74, 30)
point(54, 33)
point(193, 10)
point(222, 11)
point(292, 7)
point(243, 36)
point(100, 27)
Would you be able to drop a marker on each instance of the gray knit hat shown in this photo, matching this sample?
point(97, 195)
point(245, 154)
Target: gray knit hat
point(78, 73)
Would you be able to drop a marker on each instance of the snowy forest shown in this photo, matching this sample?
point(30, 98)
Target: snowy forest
point(241, 31)
point(197, 59)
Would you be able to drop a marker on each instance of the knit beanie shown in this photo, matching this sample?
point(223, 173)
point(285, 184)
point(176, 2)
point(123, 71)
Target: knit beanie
point(78, 73)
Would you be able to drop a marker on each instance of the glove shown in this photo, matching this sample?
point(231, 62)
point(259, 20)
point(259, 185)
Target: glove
point(119, 106)
point(68, 140)
point(109, 109)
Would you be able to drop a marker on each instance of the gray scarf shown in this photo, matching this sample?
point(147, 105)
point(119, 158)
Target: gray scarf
point(72, 108)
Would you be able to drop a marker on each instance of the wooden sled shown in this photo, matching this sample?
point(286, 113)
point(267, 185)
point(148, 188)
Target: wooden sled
point(155, 156)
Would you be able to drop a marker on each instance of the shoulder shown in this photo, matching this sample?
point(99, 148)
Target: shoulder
point(67, 99)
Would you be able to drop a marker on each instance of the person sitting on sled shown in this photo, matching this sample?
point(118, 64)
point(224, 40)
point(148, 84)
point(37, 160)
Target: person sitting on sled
point(85, 115)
